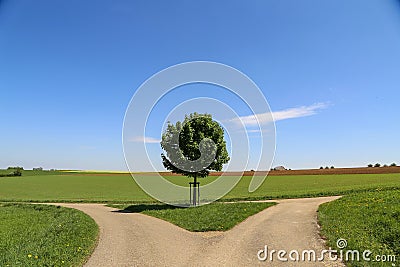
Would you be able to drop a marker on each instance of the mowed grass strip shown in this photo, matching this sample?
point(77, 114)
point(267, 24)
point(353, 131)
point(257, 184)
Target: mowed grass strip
point(211, 217)
point(71, 188)
point(368, 221)
point(76, 187)
point(44, 235)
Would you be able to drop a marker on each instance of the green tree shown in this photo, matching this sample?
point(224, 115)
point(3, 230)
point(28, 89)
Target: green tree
point(17, 172)
point(194, 147)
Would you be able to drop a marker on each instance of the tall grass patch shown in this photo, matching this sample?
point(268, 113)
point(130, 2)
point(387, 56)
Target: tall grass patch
point(368, 221)
point(45, 235)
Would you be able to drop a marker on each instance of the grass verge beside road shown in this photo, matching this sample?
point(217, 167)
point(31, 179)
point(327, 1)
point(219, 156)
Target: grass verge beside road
point(367, 221)
point(45, 235)
point(211, 217)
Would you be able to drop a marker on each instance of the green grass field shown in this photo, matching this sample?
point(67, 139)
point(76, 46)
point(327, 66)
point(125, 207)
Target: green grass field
point(36, 186)
point(367, 221)
point(30, 234)
point(212, 217)
point(42, 235)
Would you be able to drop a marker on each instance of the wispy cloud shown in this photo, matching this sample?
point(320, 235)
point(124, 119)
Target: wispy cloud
point(298, 112)
point(253, 120)
point(290, 113)
point(145, 139)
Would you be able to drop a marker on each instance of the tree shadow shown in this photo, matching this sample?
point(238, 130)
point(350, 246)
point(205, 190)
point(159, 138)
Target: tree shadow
point(137, 208)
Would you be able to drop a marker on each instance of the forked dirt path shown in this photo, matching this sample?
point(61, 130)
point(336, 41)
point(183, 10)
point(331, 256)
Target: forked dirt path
point(133, 239)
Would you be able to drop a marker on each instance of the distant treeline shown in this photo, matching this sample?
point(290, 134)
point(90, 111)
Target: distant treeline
point(15, 168)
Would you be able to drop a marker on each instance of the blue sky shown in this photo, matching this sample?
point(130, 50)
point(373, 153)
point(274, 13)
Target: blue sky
point(68, 70)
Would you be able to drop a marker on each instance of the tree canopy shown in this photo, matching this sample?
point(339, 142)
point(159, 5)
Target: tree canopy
point(195, 146)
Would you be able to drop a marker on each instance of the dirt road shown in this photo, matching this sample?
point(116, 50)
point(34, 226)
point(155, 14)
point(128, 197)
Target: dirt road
point(132, 239)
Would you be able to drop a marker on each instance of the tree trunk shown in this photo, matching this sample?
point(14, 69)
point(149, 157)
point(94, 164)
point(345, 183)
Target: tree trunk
point(195, 191)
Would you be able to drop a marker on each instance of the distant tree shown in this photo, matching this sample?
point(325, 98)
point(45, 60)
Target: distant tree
point(183, 144)
point(321, 168)
point(327, 167)
point(385, 165)
point(377, 165)
point(332, 167)
point(17, 172)
point(15, 168)
point(370, 165)
point(393, 165)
